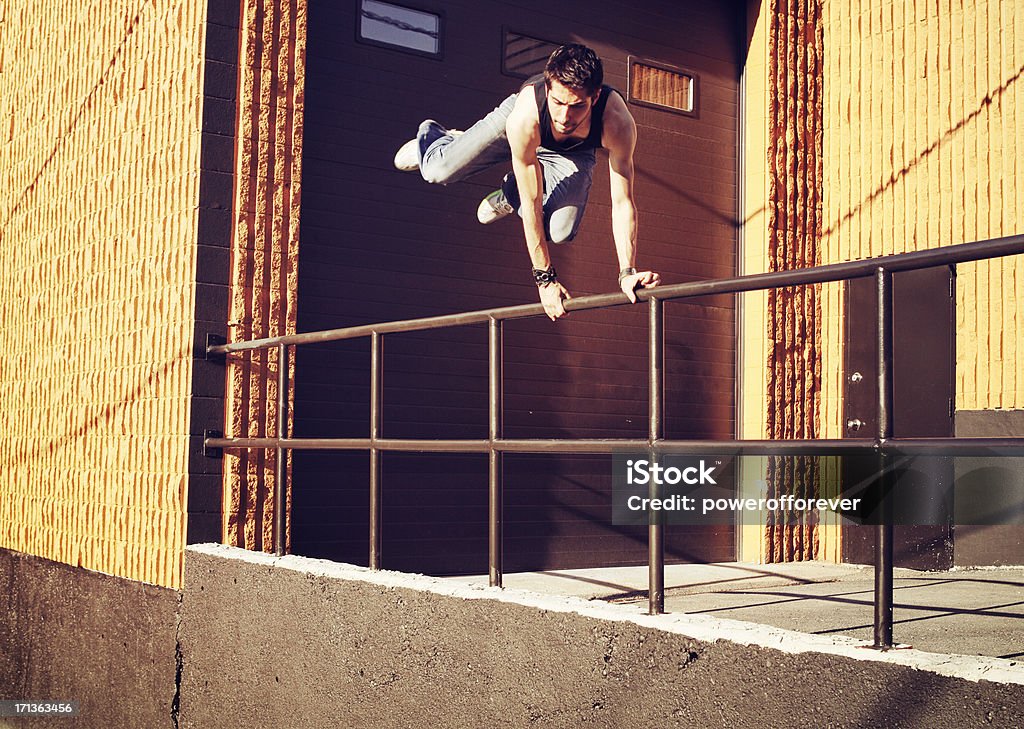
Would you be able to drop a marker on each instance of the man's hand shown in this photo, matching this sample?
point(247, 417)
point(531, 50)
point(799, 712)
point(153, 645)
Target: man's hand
point(639, 280)
point(551, 295)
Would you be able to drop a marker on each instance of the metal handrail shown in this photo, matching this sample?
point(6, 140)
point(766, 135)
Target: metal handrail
point(883, 444)
point(948, 255)
point(605, 446)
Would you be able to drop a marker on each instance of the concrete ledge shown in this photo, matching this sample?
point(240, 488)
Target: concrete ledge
point(68, 634)
point(293, 641)
point(989, 423)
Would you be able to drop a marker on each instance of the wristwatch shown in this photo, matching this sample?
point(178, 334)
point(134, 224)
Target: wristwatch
point(545, 276)
point(628, 271)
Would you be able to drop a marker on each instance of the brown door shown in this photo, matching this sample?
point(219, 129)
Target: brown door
point(923, 382)
point(379, 245)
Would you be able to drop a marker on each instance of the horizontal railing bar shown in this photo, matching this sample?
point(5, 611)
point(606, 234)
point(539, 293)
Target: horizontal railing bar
point(895, 446)
point(353, 444)
point(766, 447)
point(946, 255)
point(954, 446)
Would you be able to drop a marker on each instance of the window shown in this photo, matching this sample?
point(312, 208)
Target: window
point(662, 87)
point(396, 26)
point(524, 56)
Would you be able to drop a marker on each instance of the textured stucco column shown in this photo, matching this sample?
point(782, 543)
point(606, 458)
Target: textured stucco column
point(264, 250)
point(794, 172)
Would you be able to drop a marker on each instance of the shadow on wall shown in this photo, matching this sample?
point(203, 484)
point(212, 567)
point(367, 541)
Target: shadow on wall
point(86, 103)
point(710, 210)
point(993, 97)
point(107, 414)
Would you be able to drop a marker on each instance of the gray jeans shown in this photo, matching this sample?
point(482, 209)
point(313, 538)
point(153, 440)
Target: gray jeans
point(567, 175)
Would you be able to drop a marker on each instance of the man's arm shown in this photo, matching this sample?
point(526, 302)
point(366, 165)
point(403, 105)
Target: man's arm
point(619, 139)
point(523, 131)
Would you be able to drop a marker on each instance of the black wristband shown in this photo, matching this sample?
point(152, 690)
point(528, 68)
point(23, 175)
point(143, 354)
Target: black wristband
point(545, 276)
point(628, 271)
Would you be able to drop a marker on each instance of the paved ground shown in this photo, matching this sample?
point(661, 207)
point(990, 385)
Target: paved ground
point(964, 611)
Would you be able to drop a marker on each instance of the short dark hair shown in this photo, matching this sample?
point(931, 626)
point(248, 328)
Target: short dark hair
point(576, 66)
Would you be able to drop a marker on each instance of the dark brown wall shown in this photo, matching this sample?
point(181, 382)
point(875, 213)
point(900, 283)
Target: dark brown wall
point(380, 245)
point(923, 371)
point(993, 485)
point(68, 634)
point(216, 165)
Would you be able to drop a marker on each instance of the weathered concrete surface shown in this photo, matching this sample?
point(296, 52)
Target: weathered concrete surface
point(68, 634)
point(272, 642)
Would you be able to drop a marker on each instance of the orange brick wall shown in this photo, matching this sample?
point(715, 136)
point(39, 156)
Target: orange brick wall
point(100, 111)
point(264, 253)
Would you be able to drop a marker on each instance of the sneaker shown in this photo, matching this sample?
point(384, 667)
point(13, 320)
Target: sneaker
point(493, 207)
point(407, 159)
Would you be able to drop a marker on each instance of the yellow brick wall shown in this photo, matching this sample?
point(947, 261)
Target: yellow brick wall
point(923, 123)
point(100, 104)
point(754, 231)
point(924, 127)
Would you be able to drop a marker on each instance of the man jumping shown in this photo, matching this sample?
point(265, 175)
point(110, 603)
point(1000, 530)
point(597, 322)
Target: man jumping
point(550, 130)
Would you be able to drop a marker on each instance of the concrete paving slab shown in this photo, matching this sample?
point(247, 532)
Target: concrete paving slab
point(615, 583)
point(962, 611)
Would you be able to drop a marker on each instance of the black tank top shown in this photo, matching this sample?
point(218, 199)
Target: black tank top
point(547, 137)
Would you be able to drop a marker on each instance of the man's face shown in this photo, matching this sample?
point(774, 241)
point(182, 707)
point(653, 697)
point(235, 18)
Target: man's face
point(568, 107)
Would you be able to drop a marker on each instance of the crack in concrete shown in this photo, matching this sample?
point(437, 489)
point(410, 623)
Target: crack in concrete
point(179, 664)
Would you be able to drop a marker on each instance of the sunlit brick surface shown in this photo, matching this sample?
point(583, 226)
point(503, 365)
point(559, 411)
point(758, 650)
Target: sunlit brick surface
point(100, 106)
point(924, 127)
point(922, 123)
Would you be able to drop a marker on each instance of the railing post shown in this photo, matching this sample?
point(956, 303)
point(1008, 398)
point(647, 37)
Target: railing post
point(656, 431)
point(884, 530)
point(376, 395)
point(495, 498)
point(280, 471)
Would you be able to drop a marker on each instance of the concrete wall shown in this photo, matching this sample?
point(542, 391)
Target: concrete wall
point(333, 645)
point(68, 634)
point(995, 487)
